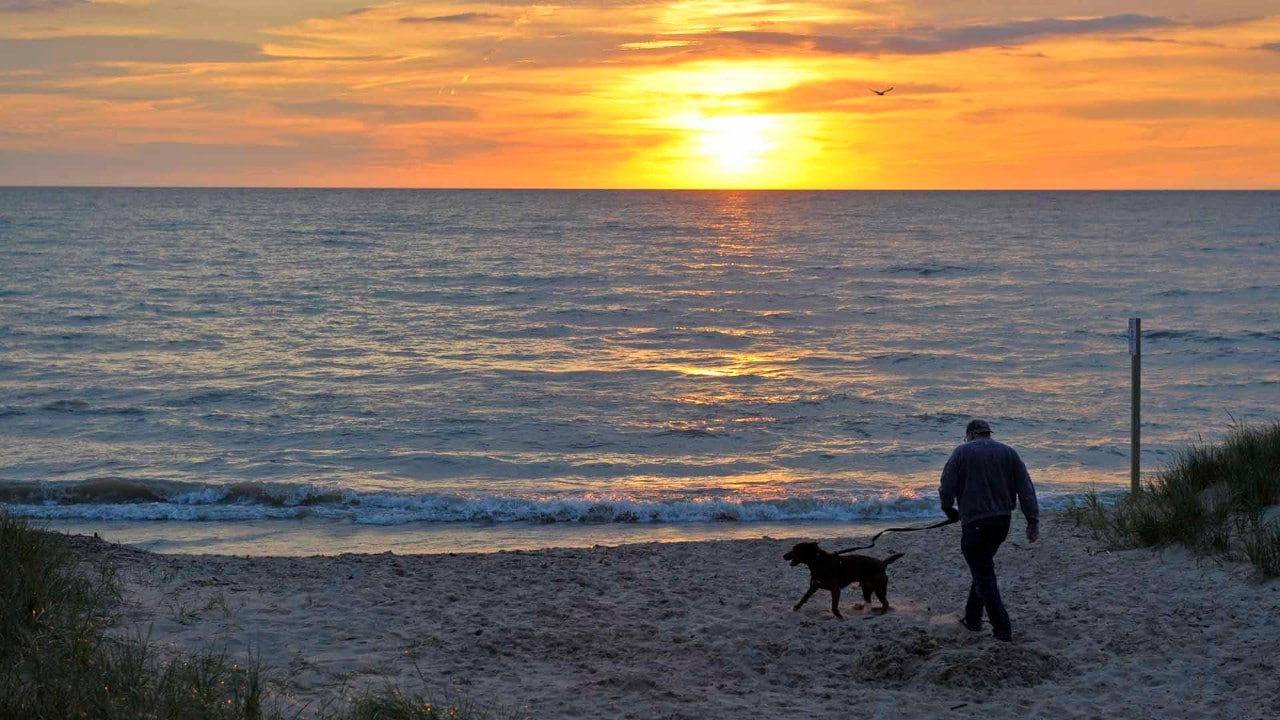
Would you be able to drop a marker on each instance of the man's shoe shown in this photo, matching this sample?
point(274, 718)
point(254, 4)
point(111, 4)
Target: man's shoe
point(971, 628)
point(1003, 638)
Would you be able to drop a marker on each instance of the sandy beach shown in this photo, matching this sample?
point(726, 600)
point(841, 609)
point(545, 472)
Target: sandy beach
point(705, 630)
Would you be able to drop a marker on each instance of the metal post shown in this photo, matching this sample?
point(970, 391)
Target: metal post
point(1135, 403)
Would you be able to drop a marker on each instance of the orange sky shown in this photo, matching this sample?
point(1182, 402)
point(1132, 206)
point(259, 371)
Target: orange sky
point(639, 93)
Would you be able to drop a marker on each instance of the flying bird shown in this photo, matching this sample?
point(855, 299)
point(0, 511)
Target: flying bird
point(881, 92)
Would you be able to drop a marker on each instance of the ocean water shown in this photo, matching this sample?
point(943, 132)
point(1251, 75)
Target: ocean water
point(280, 371)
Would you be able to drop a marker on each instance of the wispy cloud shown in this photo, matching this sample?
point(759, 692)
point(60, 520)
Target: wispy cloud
point(32, 6)
point(176, 162)
point(29, 53)
point(456, 18)
point(380, 112)
point(1258, 106)
point(998, 35)
point(926, 40)
point(848, 95)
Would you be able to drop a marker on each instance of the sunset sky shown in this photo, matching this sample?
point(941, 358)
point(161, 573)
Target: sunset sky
point(642, 93)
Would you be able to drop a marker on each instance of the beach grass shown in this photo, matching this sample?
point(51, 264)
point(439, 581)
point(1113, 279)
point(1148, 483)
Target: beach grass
point(60, 658)
point(1219, 500)
point(62, 655)
point(393, 704)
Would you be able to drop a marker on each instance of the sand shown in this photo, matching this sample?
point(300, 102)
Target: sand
point(705, 630)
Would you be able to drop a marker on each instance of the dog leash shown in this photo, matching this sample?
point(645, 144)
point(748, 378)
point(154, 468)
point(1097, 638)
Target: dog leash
point(910, 529)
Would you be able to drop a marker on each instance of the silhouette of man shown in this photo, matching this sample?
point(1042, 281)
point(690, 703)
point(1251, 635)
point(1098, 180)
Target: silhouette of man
point(988, 480)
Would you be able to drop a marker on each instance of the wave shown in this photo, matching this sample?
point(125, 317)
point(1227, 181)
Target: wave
point(689, 432)
point(912, 359)
point(115, 498)
point(180, 400)
point(926, 270)
point(216, 396)
point(336, 237)
point(692, 338)
point(1211, 338)
point(83, 406)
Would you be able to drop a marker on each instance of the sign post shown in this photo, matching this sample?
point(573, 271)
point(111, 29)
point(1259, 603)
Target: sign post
point(1135, 403)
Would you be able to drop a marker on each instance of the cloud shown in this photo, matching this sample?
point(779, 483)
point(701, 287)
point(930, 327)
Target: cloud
point(1263, 107)
point(997, 35)
point(447, 149)
point(933, 40)
point(1194, 11)
point(42, 167)
point(46, 80)
point(1172, 41)
point(386, 113)
point(844, 95)
point(1273, 47)
point(38, 5)
point(33, 53)
point(458, 18)
point(175, 163)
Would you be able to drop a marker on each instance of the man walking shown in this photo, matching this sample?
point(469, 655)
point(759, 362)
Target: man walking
point(988, 480)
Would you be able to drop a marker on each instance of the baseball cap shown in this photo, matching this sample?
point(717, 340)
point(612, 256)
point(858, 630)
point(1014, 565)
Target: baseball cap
point(977, 427)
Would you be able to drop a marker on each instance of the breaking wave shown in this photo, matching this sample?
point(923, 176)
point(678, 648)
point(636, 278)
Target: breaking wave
point(114, 498)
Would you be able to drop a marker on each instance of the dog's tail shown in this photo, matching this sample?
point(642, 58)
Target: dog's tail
point(891, 558)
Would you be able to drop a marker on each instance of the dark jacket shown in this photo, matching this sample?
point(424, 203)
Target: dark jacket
point(987, 478)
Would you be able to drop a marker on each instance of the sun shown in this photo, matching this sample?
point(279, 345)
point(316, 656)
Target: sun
point(735, 143)
point(733, 150)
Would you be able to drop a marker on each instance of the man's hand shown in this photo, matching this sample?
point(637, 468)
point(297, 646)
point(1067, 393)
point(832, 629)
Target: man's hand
point(952, 513)
point(1033, 532)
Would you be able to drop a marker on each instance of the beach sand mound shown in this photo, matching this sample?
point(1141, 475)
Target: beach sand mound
point(922, 657)
point(993, 667)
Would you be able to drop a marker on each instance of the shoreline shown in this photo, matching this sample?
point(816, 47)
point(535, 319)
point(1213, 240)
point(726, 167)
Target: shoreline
point(304, 538)
point(705, 629)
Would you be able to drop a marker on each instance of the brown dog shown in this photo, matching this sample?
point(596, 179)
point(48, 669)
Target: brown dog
point(828, 571)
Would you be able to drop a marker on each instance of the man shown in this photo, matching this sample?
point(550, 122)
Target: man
point(988, 480)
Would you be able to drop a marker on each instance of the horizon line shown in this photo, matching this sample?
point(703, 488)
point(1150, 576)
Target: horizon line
point(614, 189)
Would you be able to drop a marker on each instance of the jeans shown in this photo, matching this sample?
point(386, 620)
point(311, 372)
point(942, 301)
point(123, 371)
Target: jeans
point(979, 541)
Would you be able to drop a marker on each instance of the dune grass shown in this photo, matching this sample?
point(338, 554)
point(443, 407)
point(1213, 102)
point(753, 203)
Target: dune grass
point(62, 655)
point(59, 657)
point(1219, 500)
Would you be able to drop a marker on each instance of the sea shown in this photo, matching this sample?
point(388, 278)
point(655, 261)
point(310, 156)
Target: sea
point(294, 372)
